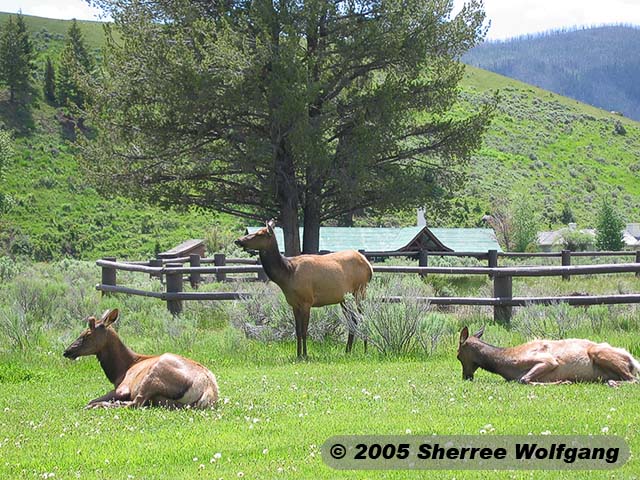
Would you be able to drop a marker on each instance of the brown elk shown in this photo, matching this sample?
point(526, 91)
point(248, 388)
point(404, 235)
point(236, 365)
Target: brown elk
point(548, 361)
point(310, 280)
point(166, 380)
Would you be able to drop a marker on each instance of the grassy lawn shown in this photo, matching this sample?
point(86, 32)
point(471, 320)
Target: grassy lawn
point(275, 413)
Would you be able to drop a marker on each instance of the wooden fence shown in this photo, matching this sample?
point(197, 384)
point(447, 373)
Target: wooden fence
point(173, 272)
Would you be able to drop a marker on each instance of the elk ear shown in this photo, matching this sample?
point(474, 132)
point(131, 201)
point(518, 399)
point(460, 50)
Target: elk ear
point(271, 224)
point(479, 333)
point(110, 316)
point(464, 334)
point(91, 321)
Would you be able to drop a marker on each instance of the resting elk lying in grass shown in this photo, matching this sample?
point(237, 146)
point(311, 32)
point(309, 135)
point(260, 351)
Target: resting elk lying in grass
point(548, 361)
point(310, 280)
point(166, 380)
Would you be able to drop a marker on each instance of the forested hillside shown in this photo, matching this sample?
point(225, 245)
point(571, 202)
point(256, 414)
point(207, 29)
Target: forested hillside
point(552, 150)
point(599, 66)
point(48, 210)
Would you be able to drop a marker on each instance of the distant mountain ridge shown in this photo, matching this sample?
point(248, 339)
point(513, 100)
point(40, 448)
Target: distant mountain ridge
point(599, 66)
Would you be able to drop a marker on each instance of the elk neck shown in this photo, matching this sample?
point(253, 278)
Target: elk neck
point(116, 358)
point(277, 267)
point(495, 360)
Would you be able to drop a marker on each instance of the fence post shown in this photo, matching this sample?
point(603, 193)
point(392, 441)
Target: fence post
point(174, 285)
point(220, 260)
point(108, 275)
point(503, 288)
point(156, 262)
point(492, 256)
point(262, 275)
point(637, 261)
point(194, 277)
point(566, 262)
point(423, 260)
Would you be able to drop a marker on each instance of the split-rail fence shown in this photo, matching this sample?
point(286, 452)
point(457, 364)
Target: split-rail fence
point(172, 272)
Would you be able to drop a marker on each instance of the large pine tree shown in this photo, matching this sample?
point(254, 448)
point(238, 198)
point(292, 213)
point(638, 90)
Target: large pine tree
point(75, 63)
point(49, 88)
point(303, 110)
point(16, 59)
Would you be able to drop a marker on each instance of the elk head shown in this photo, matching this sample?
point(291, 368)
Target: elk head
point(263, 239)
point(467, 354)
point(94, 338)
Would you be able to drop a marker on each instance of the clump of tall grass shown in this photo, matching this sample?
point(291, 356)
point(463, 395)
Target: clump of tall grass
point(9, 268)
point(265, 315)
point(398, 328)
point(545, 321)
point(20, 331)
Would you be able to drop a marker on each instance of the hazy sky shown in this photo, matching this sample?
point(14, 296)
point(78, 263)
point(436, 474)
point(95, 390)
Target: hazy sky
point(509, 18)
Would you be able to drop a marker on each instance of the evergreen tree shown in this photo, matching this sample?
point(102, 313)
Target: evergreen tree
point(525, 224)
point(74, 63)
point(609, 234)
point(16, 59)
point(26, 46)
point(49, 81)
point(75, 40)
point(305, 110)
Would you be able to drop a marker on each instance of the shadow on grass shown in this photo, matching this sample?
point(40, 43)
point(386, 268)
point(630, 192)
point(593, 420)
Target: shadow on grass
point(16, 116)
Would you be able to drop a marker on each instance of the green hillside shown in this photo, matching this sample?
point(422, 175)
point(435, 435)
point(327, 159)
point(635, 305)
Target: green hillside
point(56, 29)
point(597, 65)
point(555, 149)
point(549, 147)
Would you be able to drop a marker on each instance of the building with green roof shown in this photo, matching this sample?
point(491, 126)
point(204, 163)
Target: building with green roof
point(404, 239)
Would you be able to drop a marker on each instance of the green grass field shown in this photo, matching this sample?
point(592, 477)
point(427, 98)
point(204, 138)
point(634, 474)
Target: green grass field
point(275, 412)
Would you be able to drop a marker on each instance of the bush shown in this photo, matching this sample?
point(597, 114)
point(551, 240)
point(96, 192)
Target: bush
point(609, 228)
point(546, 321)
point(266, 316)
point(577, 241)
point(21, 331)
point(397, 328)
point(220, 240)
point(8, 269)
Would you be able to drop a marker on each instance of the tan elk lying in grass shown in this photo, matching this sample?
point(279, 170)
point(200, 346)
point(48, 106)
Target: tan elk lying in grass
point(310, 280)
point(548, 361)
point(166, 380)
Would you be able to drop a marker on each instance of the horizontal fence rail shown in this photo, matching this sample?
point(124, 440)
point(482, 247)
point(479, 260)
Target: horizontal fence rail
point(172, 273)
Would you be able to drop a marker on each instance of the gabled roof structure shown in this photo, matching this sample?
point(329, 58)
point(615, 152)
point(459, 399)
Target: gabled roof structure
point(404, 239)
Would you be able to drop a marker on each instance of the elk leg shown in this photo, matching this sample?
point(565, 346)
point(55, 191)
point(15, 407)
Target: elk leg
point(350, 318)
point(538, 371)
point(306, 313)
point(613, 363)
point(166, 388)
point(299, 315)
point(110, 404)
point(107, 397)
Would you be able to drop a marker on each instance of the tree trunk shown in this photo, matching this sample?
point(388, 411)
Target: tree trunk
point(290, 229)
point(346, 220)
point(311, 236)
point(287, 191)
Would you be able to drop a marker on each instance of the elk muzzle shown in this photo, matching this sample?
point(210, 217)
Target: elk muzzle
point(73, 351)
point(70, 353)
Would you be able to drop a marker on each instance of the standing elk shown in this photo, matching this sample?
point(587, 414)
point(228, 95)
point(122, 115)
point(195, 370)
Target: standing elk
point(166, 380)
point(310, 280)
point(548, 361)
